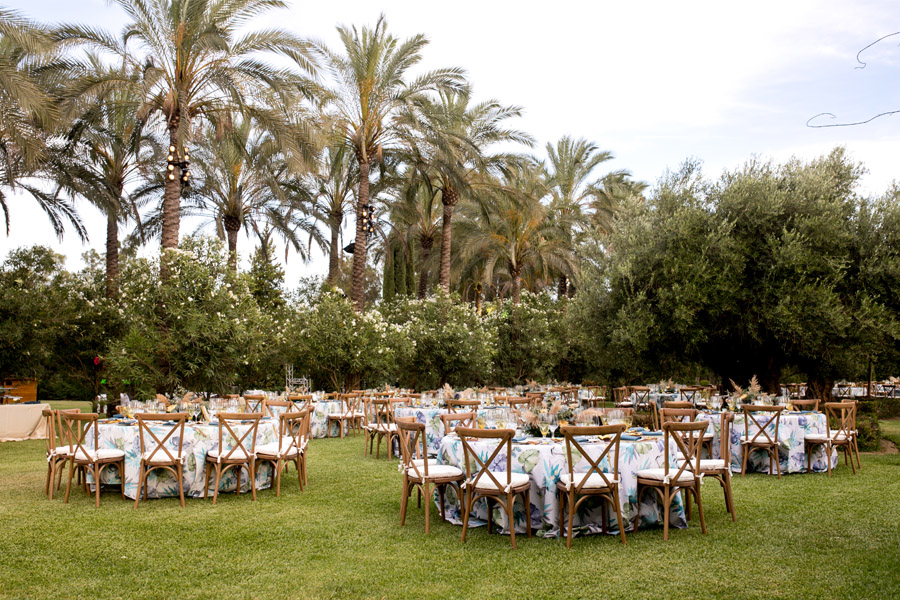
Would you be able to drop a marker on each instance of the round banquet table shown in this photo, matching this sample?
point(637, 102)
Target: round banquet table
point(431, 417)
point(199, 439)
point(319, 426)
point(792, 431)
point(544, 461)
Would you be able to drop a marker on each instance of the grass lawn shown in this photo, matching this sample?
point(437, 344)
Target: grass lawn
point(804, 536)
point(890, 430)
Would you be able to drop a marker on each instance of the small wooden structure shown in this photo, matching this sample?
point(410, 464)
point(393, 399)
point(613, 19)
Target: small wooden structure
point(24, 390)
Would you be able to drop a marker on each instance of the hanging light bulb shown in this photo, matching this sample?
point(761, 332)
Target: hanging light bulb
point(172, 149)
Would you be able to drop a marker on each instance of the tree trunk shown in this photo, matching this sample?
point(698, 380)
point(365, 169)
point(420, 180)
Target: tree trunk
point(232, 227)
point(478, 300)
point(334, 252)
point(171, 217)
point(449, 198)
point(358, 283)
point(112, 255)
point(562, 287)
point(427, 245)
point(516, 285)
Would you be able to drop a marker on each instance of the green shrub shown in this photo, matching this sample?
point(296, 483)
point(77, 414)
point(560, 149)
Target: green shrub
point(869, 437)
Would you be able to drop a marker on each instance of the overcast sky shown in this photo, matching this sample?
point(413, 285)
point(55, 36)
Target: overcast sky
point(653, 82)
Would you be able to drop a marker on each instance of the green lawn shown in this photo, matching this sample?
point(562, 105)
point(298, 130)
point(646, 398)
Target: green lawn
point(890, 430)
point(804, 536)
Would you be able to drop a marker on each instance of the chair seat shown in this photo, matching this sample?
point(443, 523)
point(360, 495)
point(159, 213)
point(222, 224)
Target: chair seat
point(161, 458)
point(287, 450)
point(823, 437)
point(60, 451)
point(238, 455)
point(435, 471)
point(708, 464)
point(517, 480)
point(660, 475)
point(594, 481)
point(99, 455)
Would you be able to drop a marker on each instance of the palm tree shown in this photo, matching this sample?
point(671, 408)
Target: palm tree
point(334, 184)
point(449, 142)
point(200, 64)
point(511, 235)
point(571, 165)
point(244, 181)
point(415, 214)
point(30, 76)
point(371, 91)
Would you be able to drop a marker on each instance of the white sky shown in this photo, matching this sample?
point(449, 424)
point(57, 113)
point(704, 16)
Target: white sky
point(653, 82)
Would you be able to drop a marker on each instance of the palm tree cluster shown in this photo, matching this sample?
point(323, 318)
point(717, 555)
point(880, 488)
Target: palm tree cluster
point(190, 112)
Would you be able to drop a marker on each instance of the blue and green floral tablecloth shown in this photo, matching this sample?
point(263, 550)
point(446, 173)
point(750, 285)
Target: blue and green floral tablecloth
point(319, 427)
point(199, 439)
point(544, 463)
point(792, 431)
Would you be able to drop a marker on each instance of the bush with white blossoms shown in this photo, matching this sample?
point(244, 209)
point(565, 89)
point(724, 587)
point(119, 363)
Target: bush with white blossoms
point(447, 342)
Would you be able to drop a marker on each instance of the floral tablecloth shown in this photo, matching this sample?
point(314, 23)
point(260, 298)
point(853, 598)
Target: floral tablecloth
point(318, 420)
point(199, 439)
point(792, 431)
point(431, 417)
point(544, 462)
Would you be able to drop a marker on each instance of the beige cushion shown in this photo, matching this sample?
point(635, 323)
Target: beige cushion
point(61, 451)
point(287, 448)
point(516, 480)
point(102, 454)
point(435, 471)
point(660, 475)
point(707, 464)
point(821, 437)
point(238, 454)
point(595, 481)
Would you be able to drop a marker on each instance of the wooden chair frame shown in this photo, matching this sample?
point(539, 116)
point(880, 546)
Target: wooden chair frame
point(350, 413)
point(293, 426)
point(467, 418)
point(384, 425)
point(609, 493)
point(844, 413)
point(244, 459)
point(504, 495)
point(769, 445)
point(412, 435)
point(77, 426)
point(459, 405)
point(620, 396)
point(173, 464)
point(287, 405)
point(301, 401)
point(255, 402)
point(687, 437)
point(723, 475)
point(799, 404)
point(57, 449)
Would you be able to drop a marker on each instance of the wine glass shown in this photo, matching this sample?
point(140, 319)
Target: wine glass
point(544, 424)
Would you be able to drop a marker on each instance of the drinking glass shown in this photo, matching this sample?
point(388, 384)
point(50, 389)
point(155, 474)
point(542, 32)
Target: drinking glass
point(544, 424)
point(481, 421)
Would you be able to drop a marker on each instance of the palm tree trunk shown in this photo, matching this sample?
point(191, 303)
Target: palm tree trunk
point(358, 275)
point(171, 217)
point(562, 287)
point(232, 227)
point(449, 199)
point(334, 253)
point(478, 300)
point(427, 244)
point(112, 254)
point(516, 285)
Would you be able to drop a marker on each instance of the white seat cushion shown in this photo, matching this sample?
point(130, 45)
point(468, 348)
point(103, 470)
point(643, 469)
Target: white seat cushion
point(595, 481)
point(288, 449)
point(435, 471)
point(660, 475)
point(822, 437)
point(707, 464)
point(238, 454)
point(61, 451)
point(102, 454)
point(516, 480)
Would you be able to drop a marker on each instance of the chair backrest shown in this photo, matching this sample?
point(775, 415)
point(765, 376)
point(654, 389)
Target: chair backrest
point(465, 419)
point(688, 437)
point(226, 423)
point(300, 401)
point(810, 404)
point(503, 437)
point(412, 444)
point(384, 413)
point(462, 405)
point(794, 390)
point(517, 401)
point(725, 438)
point(569, 432)
point(641, 394)
point(293, 429)
point(772, 415)
point(274, 408)
point(844, 390)
point(254, 402)
point(76, 427)
point(619, 394)
point(690, 393)
point(844, 415)
point(157, 447)
point(350, 403)
point(677, 404)
point(677, 415)
point(55, 430)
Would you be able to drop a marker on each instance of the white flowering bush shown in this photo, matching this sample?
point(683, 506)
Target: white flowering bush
point(447, 342)
point(197, 330)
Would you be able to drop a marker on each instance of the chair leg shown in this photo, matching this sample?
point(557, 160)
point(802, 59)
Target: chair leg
point(218, 479)
point(180, 470)
point(528, 511)
point(137, 497)
point(427, 495)
point(253, 479)
point(404, 500)
point(466, 508)
point(687, 503)
point(700, 507)
point(856, 450)
point(777, 460)
point(96, 470)
point(808, 450)
point(122, 477)
point(441, 488)
point(637, 517)
point(50, 477)
point(69, 482)
point(828, 457)
point(744, 460)
point(667, 501)
point(510, 499)
point(850, 452)
point(618, 509)
point(570, 502)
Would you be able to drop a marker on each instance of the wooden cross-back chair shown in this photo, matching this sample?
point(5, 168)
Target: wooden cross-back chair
point(595, 399)
point(459, 405)
point(351, 414)
point(805, 404)
point(794, 390)
point(761, 440)
point(383, 426)
point(465, 419)
point(519, 402)
point(255, 402)
point(500, 487)
point(691, 393)
point(301, 401)
point(844, 437)
point(843, 390)
point(595, 482)
point(155, 454)
point(418, 473)
point(241, 456)
point(674, 411)
point(620, 396)
point(57, 448)
point(668, 481)
point(293, 436)
point(86, 456)
point(275, 408)
point(720, 469)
